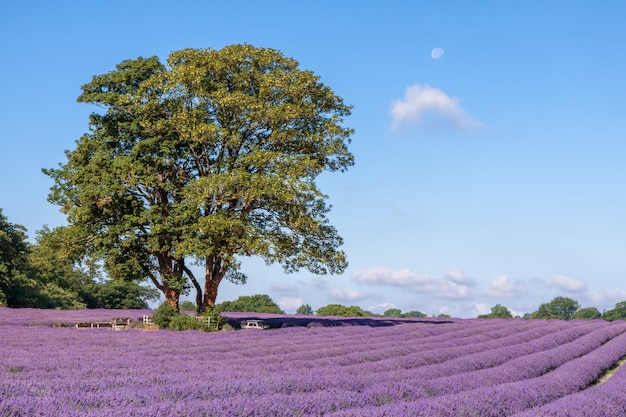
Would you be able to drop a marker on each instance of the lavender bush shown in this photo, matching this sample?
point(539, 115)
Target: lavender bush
point(310, 366)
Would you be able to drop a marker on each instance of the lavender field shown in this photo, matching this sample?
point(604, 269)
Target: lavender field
point(310, 367)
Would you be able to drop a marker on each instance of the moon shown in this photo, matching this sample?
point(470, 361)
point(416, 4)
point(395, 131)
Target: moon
point(437, 53)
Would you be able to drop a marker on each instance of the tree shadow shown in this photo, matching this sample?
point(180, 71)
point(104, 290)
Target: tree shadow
point(276, 321)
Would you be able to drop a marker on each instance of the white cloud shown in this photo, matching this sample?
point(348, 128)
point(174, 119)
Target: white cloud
point(450, 290)
point(290, 304)
point(483, 308)
point(502, 287)
point(381, 307)
point(564, 283)
point(316, 282)
point(607, 298)
point(445, 310)
point(516, 313)
point(480, 308)
point(282, 287)
point(430, 107)
point(346, 294)
point(457, 276)
point(447, 287)
point(386, 276)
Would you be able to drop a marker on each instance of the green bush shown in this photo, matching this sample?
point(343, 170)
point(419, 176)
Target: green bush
point(185, 322)
point(187, 306)
point(217, 321)
point(163, 315)
point(167, 318)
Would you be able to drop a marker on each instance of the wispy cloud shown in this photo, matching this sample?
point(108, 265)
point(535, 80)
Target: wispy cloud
point(282, 287)
point(480, 308)
point(381, 308)
point(290, 304)
point(564, 283)
point(389, 277)
point(452, 285)
point(459, 277)
point(346, 294)
point(430, 108)
point(503, 287)
point(607, 298)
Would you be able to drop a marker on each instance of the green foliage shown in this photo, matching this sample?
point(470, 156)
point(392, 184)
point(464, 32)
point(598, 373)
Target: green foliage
point(187, 306)
point(393, 312)
point(588, 313)
point(497, 312)
point(414, 314)
point(617, 313)
point(260, 303)
point(18, 287)
point(214, 321)
point(118, 294)
point(48, 275)
point(443, 316)
point(181, 321)
point(305, 309)
point(341, 310)
point(163, 315)
point(184, 322)
point(210, 156)
point(34, 276)
point(562, 308)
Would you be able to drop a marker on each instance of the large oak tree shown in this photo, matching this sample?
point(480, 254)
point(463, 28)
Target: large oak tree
point(209, 157)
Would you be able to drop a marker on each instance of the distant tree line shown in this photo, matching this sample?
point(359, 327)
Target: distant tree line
point(563, 308)
point(44, 275)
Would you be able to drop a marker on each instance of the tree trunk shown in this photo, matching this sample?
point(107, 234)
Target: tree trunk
point(172, 296)
point(196, 285)
point(210, 292)
point(172, 268)
point(214, 272)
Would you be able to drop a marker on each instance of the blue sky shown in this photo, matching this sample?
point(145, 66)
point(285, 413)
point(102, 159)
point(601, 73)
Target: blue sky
point(490, 172)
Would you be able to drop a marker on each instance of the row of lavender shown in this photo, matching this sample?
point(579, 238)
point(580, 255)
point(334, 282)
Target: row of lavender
point(36, 316)
point(430, 368)
point(605, 400)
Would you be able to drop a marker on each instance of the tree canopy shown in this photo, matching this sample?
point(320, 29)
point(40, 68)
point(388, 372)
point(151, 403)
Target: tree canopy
point(562, 308)
point(341, 310)
point(393, 312)
point(44, 275)
point(616, 313)
point(396, 312)
point(305, 309)
point(15, 272)
point(35, 275)
point(207, 158)
point(414, 313)
point(260, 303)
point(587, 313)
point(497, 312)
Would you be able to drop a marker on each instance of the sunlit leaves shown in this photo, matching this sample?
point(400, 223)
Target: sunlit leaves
point(211, 157)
